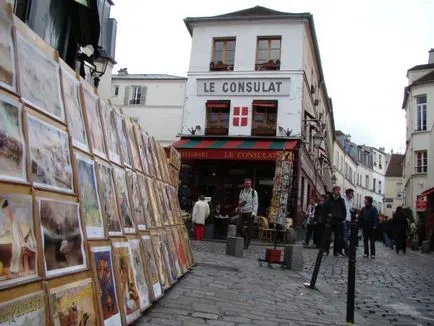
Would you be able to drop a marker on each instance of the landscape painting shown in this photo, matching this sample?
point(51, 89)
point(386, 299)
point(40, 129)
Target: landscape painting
point(28, 310)
point(127, 287)
point(74, 112)
point(138, 211)
point(62, 237)
point(39, 79)
point(12, 146)
point(7, 63)
point(151, 267)
point(123, 140)
point(103, 265)
point(18, 247)
point(72, 304)
point(108, 200)
point(94, 122)
point(110, 132)
point(139, 273)
point(50, 156)
point(89, 199)
point(124, 201)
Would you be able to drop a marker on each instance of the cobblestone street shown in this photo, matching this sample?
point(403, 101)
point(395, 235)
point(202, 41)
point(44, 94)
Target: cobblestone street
point(223, 290)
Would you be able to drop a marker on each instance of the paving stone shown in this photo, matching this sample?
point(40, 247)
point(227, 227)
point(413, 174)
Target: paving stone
point(205, 315)
point(219, 323)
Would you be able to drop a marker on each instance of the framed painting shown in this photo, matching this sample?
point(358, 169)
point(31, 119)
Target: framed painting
point(50, 156)
point(126, 281)
point(151, 268)
point(18, 245)
point(62, 237)
point(73, 108)
point(141, 148)
point(12, 145)
point(105, 282)
point(89, 199)
point(173, 250)
point(108, 199)
point(148, 155)
point(159, 259)
point(73, 304)
point(24, 310)
point(168, 257)
point(124, 201)
point(90, 103)
point(160, 201)
point(8, 76)
point(139, 273)
point(123, 140)
point(187, 247)
point(39, 79)
point(136, 200)
point(182, 259)
point(154, 204)
point(110, 132)
point(154, 157)
point(137, 163)
point(147, 206)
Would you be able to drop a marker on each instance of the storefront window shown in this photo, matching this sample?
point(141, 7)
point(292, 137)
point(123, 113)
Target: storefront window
point(264, 118)
point(217, 117)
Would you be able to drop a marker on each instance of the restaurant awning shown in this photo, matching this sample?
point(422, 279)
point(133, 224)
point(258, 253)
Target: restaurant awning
point(233, 149)
point(426, 193)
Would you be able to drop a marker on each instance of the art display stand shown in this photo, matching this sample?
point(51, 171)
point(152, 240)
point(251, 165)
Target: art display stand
point(90, 223)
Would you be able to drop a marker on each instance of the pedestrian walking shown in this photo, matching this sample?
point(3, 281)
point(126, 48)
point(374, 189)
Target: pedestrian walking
point(336, 212)
point(320, 219)
point(369, 223)
point(346, 225)
point(386, 229)
point(248, 209)
point(400, 229)
point(200, 214)
point(310, 221)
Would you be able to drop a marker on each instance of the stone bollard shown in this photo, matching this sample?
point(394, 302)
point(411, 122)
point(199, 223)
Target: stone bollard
point(232, 231)
point(425, 247)
point(234, 246)
point(293, 257)
point(290, 236)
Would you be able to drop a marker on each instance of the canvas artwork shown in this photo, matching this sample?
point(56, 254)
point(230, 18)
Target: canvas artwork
point(94, 120)
point(72, 304)
point(154, 203)
point(74, 113)
point(12, 146)
point(7, 63)
point(39, 80)
point(160, 202)
point(141, 148)
point(103, 265)
point(137, 163)
point(134, 191)
point(151, 267)
point(18, 247)
point(122, 136)
point(168, 257)
point(89, 199)
point(148, 155)
point(154, 158)
point(61, 236)
point(187, 248)
point(139, 273)
point(124, 201)
point(182, 259)
point(27, 310)
point(174, 252)
point(108, 200)
point(126, 281)
point(50, 156)
point(110, 132)
point(147, 206)
point(159, 259)
point(165, 194)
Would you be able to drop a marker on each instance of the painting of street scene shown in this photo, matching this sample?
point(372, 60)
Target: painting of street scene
point(18, 258)
point(62, 237)
point(7, 63)
point(50, 156)
point(12, 146)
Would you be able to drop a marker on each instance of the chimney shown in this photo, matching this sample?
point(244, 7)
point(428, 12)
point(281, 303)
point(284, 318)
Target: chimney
point(431, 56)
point(123, 71)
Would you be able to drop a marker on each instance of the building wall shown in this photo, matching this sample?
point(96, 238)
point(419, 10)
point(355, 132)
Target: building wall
point(392, 195)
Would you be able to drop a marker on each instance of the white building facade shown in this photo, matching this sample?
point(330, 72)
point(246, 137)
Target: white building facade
point(393, 194)
point(155, 101)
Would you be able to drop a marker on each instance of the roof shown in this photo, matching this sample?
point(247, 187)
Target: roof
point(394, 168)
point(422, 67)
point(148, 77)
point(425, 79)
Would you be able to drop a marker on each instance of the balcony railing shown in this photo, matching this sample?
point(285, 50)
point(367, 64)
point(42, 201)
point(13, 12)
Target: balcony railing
point(264, 131)
point(216, 131)
point(220, 66)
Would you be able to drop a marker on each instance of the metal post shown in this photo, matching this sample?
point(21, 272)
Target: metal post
point(352, 268)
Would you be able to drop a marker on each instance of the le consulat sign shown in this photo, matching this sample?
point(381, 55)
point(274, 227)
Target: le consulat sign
point(244, 87)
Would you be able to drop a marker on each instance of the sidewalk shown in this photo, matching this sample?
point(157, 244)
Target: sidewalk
point(224, 290)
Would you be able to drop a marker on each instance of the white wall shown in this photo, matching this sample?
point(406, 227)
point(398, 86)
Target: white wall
point(392, 195)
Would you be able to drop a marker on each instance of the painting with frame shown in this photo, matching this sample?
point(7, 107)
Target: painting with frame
point(182, 258)
point(148, 155)
point(160, 201)
point(160, 259)
point(62, 237)
point(139, 274)
point(28, 309)
point(108, 198)
point(50, 156)
point(137, 163)
point(151, 268)
point(168, 257)
point(123, 140)
point(89, 197)
point(12, 144)
point(136, 200)
point(174, 253)
point(154, 203)
point(141, 148)
point(109, 128)
point(147, 205)
point(124, 202)
point(187, 247)
point(8, 75)
point(102, 266)
point(154, 157)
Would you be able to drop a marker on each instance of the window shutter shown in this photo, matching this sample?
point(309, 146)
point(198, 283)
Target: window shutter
point(143, 94)
point(127, 95)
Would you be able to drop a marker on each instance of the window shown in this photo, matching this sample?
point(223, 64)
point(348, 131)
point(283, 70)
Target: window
point(398, 189)
point(374, 183)
point(217, 117)
point(421, 161)
point(115, 90)
point(268, 53)
point(264, 118)
point(421, 105)
point(380, 161)
point(379, 187)
point(223, 54)
point(367, 181)
point(136, 95)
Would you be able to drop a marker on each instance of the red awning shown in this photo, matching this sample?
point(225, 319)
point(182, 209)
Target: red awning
point(265, 104)
point(218, 104)
point(426, 193)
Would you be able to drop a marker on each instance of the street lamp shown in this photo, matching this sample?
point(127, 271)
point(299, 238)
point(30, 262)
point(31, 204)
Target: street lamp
point(317, 139)
point(333, 179)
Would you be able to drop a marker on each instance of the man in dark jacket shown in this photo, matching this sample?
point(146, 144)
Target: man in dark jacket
point(369, 222)
point(335, 211)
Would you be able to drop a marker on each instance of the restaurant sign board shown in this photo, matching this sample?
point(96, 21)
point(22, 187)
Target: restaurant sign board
point(244, 87)
point(228, 154)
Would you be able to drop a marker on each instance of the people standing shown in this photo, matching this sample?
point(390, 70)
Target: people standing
point(336, 212)
point(399, 229)
point(369, 223)
point(346, 225)
point(200, 214)
point(247, 209)
point(310, 221)
point(320, 222)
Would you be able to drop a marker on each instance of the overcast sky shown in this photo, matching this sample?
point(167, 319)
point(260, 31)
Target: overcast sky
point(366, 48)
